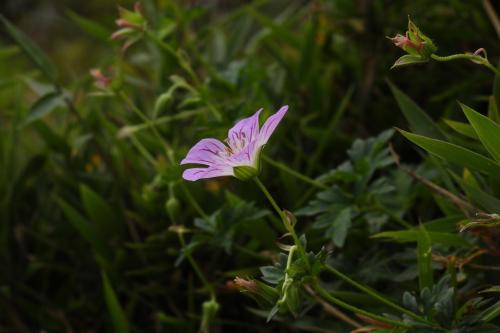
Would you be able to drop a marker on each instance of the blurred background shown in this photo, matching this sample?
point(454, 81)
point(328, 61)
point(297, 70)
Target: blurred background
point(89, 174)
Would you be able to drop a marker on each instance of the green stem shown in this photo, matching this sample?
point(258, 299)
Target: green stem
point(393, 216)
point(294, 173)
point(374, 294)
point(193, 202)
point(196, 268)
point(288, 225)
point(287, 281)
point(186, 66)
point(330, 130)
point(326, 295)
point(481, 60)
point(144, 152)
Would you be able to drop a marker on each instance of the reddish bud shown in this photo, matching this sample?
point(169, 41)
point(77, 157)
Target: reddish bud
point(118, 34)
point(137, 7)
point(405, 42)
point(248, 285)
point(100, 80)
point(123, 23)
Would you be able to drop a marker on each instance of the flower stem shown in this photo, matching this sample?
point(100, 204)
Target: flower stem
point(196, 268)
point(475, 58)
point(288, 225)
point(326, 295)
point(294, 173)
point(374, 294)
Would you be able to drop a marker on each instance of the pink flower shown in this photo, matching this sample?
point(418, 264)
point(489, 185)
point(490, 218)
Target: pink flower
point(404, 42)
point(240, 157)
point(100, 80)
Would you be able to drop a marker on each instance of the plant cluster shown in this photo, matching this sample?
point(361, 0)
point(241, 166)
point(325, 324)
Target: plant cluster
point(123, 208)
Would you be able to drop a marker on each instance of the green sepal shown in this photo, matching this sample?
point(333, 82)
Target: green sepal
point(245, 172)
point(408, 59)
point(418, 38)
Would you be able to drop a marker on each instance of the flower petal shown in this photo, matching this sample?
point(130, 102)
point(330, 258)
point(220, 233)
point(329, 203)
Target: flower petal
point(206, 151)
point(247, 156)
point(244, 132)
point(270, 125)
point(211, 172)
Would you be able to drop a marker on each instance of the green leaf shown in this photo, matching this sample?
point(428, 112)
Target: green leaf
point(425, 275)
point(91, 27)
point(491, 313)
point(408, 59)
point(494, 289)
point(496, 89)
point(444, 224)
point(117, 315)
point(443, 238)
point(52, 139)
point(419, 121)
point(493, 112)
point(275, 27)
point(455, 154)
point(86, 230)
point(487, 130)
point(462, 128)
point(100, 212)
point(482, 198)
point(31, 50)
point(340, 227)
point(44, 105)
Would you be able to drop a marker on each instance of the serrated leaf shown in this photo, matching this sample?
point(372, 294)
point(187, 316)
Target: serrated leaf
point(340, 227)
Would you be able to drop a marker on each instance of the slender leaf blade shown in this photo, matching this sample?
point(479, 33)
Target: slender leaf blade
point(425, 276)
point(487, 131)
point(419, 121)
point(31, 49)
point(455, 154)
point(118, 317)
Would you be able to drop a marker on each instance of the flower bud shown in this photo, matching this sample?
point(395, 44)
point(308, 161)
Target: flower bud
point(245, 285)
point(209, 311)
point(101, 81)
point(172, 205)
point(418, 46)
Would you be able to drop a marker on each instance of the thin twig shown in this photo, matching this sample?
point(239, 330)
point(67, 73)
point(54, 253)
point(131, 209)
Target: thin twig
point(492, 15)
point(468, 209)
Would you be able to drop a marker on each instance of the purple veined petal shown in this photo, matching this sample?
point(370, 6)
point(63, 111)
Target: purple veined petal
point(247, 156)
point(195, 174)
point(270, 125)
point(244, 132)
point(207, 152)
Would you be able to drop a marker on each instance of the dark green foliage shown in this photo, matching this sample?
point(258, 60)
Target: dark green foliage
point(99, 232)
